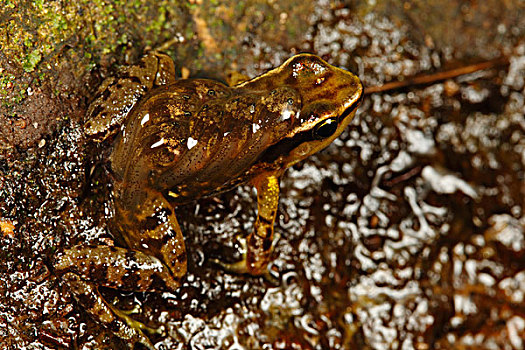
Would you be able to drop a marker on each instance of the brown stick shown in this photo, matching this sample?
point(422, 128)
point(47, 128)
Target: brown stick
point(432, 78)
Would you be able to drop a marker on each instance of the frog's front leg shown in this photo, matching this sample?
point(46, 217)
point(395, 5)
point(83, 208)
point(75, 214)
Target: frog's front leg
point(154, 260)
point(259, 242)
point(116, 97)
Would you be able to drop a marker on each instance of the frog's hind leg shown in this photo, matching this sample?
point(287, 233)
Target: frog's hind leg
point(155, 260)
point(117, 322)
point(87, 267)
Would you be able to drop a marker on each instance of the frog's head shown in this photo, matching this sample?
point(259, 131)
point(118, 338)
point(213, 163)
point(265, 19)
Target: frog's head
point(325, 98)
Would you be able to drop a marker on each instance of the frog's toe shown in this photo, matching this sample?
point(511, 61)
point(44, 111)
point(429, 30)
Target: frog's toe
point(250, 263)
point(240, 266)
point(236, 267)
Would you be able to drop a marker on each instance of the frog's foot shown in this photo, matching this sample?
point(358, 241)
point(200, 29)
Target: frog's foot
point(127, 315)
point(118, 322)
point(253, 262)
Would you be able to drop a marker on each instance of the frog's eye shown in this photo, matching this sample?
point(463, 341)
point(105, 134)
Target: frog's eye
point(325, 129)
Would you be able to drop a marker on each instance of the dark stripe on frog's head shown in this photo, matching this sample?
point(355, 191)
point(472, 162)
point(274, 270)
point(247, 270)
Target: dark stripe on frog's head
point(285, 147)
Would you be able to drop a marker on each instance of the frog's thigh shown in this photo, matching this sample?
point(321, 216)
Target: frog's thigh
point(152, 228)
point(120, 324)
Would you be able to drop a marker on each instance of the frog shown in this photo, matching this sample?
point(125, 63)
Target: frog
point(177, 140)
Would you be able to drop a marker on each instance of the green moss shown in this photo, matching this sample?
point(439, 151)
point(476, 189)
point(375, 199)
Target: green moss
point(6, 81)
point(32, 60)
point(102, 25)
point(12, 91)
point(158, 24)
point(49, 31)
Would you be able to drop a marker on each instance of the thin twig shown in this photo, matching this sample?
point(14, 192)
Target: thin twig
point(440, 76)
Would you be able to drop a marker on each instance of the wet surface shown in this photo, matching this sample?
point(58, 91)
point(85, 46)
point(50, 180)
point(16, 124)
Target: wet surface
point(407, 232)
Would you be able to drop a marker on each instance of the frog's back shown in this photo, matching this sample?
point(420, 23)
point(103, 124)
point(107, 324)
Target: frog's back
point(196, 137)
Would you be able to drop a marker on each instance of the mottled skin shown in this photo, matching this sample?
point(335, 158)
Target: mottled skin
point(180, 140)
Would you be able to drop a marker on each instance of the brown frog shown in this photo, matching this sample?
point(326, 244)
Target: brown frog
point(179, 140)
